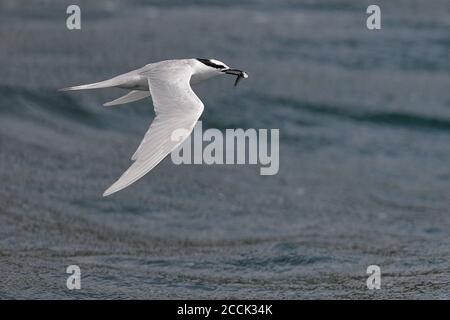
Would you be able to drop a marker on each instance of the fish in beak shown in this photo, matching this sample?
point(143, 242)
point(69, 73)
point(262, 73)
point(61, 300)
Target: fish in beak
point(238, 73)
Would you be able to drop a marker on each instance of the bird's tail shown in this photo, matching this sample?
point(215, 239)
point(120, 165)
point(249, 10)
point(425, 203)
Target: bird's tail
point(114, 82)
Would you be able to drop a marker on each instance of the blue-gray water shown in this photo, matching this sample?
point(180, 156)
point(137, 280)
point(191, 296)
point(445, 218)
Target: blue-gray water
point(364, 119)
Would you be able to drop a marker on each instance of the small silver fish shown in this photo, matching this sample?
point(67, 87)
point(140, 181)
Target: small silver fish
point(243, 75)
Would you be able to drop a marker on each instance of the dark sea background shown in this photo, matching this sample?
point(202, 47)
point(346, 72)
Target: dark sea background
point(364, 119)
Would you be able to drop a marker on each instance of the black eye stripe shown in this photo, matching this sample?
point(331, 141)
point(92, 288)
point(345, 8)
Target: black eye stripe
point(211, 64)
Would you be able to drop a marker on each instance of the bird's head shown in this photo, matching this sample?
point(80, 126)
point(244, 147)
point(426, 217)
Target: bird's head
point(212, 67)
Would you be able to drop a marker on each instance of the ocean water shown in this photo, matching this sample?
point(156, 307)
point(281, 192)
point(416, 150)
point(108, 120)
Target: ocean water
point(364, 119)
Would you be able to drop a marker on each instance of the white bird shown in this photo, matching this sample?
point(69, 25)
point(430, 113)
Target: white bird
point(176, 106)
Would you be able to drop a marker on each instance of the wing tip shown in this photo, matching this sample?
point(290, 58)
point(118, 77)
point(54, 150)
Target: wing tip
point(115, 187)
point(110, 191)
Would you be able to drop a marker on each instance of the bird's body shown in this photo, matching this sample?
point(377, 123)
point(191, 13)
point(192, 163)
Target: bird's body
point(177, 107)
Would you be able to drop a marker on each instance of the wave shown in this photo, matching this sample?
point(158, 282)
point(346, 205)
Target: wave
point(47, 107)
point(398, 119)
point(39, 104)
point(44, 107)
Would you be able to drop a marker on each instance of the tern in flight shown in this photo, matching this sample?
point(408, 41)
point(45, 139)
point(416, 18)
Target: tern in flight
point(176, 106)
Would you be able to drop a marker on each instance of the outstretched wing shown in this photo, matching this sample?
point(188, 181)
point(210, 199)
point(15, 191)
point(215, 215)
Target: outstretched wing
point(177, 110)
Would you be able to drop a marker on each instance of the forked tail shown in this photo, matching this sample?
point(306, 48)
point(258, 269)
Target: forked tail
point(114, 82)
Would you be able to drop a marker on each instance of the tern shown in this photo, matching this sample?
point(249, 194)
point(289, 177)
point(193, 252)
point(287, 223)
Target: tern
point(176, 106)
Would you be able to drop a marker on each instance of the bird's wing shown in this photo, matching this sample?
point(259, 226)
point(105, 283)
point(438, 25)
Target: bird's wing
point(176, 108)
